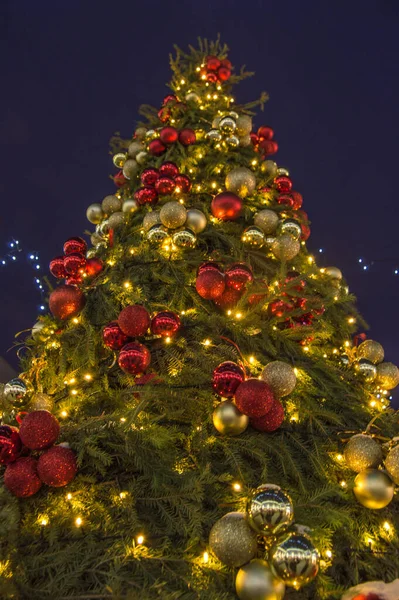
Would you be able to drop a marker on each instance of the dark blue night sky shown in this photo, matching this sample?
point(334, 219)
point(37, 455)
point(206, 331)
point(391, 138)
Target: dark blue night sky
point(74, 72)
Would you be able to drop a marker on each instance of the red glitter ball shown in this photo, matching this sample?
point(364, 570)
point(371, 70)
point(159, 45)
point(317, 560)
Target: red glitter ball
point(187, 137)
point(149, 176)
point(113, 336)
point(134, 358)
point(165, 323)
point(266, 133)
point(66, 301)
point(254, 398)
point(271, 420)
point(39, 429)
point(134, 320)
point(21, 478)
point(94, 266)
point(10, 444)
point(212, 63)
point(226, 206)
point(229, 298)
point(146, 195)
point(169, 169)
point(156, 147)
point(238, 276)
point(165, 185)
point(168, 135)
point(183, 182)
point(283, 184)
point(226, 378)
point(57, 466)
point(74, 263)
point(210, 284)
point(224, 73)
point(57, 268)
point(75, 244)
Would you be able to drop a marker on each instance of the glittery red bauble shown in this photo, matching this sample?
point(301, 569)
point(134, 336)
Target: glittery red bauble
point(183, 182)
point(212, 77)
point(164, 114)
point(266, 133)
point(169, 98)
point(210, 284)
point(94, 266)
point(134, 358)
point(66, 301)
point(119, 179)
point(285, 200)
point(229, 298)
point(149, 176)
point(297, 200)
point(254, 398)
point(165, 185)
point(75, 280)
point(169, 169)
point(238, 276)
point(271, 420)
point(305, 232)
point(165, 323)
point(278, 308)
point(146, 195)
point(268, 147)
point(113, 336)
point(224, 73)
point(156, 147)
point(226, 378)
point(10, 444)
point(283, 184)
point(226, 206)
point(187, 137)
point(57, 268)
point(21, 478)
point(75, 244)
point(134, 320)
point(212, 63)
point(39, 429)
point(74, 262)
point(168, 135)
point(57, 466)
point(208, 266)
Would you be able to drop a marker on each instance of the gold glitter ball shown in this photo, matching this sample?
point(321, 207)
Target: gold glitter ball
point(267, 220)
point(151, 219)
point(392, 464)
point(173, 214)
point(232, 540)
point(371, 350)
point(285, 247)
point(281, 377)
point(41, 401)
point(387, 375)
point(362, 452)
point(240, 181)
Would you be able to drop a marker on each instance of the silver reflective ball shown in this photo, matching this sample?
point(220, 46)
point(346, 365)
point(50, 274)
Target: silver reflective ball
point(157, 235)
point(196, 220)
point(15, 390)
point(184, 238)
point(292, 227)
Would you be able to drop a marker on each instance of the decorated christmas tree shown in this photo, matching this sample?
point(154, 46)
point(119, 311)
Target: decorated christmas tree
point(200, 416)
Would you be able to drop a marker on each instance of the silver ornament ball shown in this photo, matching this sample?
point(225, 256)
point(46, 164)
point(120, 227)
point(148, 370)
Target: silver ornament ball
point(214, 135)
point(119, 159)
point(15, 390)
point(227, 125)
point(184, 238)
point(366, 369)
point(253, 236)
point(141, 157)
point(291, 227)
point(157, 235)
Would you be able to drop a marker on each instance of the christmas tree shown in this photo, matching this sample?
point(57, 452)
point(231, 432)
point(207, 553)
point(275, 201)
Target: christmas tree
point(200, 416)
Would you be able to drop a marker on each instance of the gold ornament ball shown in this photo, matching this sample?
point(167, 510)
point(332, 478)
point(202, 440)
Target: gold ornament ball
point(227, 125)
point(244, 125)
point(371, 350)
point(282, 171)
point(193, 97)
point(232, 540)
point(184, 238)
point(253, 236)
point(387, 375)
point(151, 219)
point(290, 227)
point(240, 181)
point(196, 220)
point(366, 369)
point(295, 560)
point(285, 247)
point(130, 168)
point(362, 452)
point(130, 205)
point(157, 235)
point(119, 159)
point(270, 509)
point(245, 141)
point(140, 133)
point(392, 464)
point(134, 148)
point(214, 135)
point(255, 581)
point(41, 401)
point(173, 214)
point(333, 272)
point(373, 489)
point(228, 420)
point(281, 377)
point(95, 213)
point(268, 168)
point(111, 204)
point(116, 220)
point(141, 157)
point(232, 141)
point(267, 220)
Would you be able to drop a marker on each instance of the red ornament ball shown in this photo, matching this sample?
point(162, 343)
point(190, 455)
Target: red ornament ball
point(165, 185)
point(21, 478)
point(183, 182)
point(305, 232)
point(10, 444)
point(254, 398)
point(297, 200)
point(66, 301)
point(208, 266)
point(210, 284)
point(74, 263)
point(75, 244)
point(57, 466)
point(39, 429)
point(119, 179)
point(168, 135)
point(187, 137)
point(268, 147)
point(226, 206)
point(169, 169)
point(168, 99)
point(146, 195)
point(285, 200)
point(165, 323)
point(224, 73)
point(226, 378)
point(212, 77)
point(265, 133)
point(149, 176)
point(238, 276)
point(134, 320)
point(212, 63)
point(156, 147)
point(113, 336)
point(134, 358)
point(57, 268)
point(75, 280)
point(229, 298)
point(94, 266)
point(164, 114)
point(283, 184)
point(226, 63)
point(271, 420)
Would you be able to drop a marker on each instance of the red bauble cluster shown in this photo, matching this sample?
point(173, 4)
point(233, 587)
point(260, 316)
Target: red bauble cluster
point(66, 301)
point(255, 399)
point(226, 206)
point(216, 70)
point(170, 135)
point(73, 265)
point(293, 201)
point(113, 336)
point(10, 444)
point(263, 141)
point(224, 288)
point(226, 378)
point(160, 182)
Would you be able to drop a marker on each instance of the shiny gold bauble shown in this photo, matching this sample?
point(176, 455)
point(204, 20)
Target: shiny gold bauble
point(253, 236)
point(232, 141)
point(119, 159)
point(244, 125)
point(214, 135)
point(151, 218)
point(227, 125)
point(141, 157)
point(285, 247)
point(151, 134)
point(232, 540)
point(371, 350)
point(41, 401)
point(282, 171)
point(173, 214)
point(366, 369)
point(157, 235)
point(130, 168)
point(270, 509)
point(193, 97)
point(134, 148)
point(130, 205)
point(240, 181)
point(387, 375)
point(116, 220)
point(362, 452)
point(184, 238)
point(111, 204)
point(392, 464)
point(291, 227)
point(268, 168)
point(295, 560)
point(256, 581)
point(267, 220)
point(196, 220)
point(333, 272)
point(95, 213)
point(233, 115)
point(228, 420)
point(373, 489)
point(280, 376)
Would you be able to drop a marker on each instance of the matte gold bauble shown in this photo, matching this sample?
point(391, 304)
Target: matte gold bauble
point(228, 420)
point(150, 219)
point(373, 489)
point(135, 148)
point(111, 204)
point(295, 560)
point(280, 376)
point(130, 206)
point(244, 125)
point(333, 272)
point(95, 213)
point(130, 168)
point(157, 235)
point(245, 141)
point(240, 181)
point(270, 509)
point(362, 452)
point(232, 540)
point(267, 220)
point(184, 238)
point(173, 214)
point(387, 375)
point(268, 168)
point(392, 464)
point(196, 220)
point(140, 133)
point(253, 236)
point(285, 247)
point(41, 401)
point(370, 350)
point(256, 581)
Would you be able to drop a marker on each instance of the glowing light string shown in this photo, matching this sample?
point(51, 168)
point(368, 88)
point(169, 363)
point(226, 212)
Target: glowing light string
point(14, 253)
